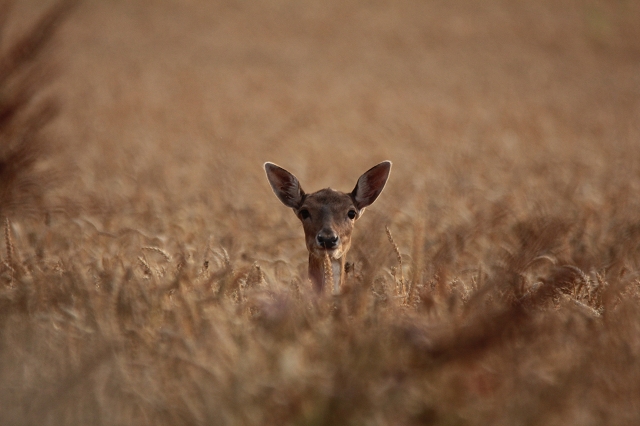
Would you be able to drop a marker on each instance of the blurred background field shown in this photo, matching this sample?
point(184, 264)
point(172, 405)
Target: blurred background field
point(150, 276)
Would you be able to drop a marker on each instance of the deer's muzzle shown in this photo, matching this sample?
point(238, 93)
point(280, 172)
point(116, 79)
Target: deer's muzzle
point(327, 239)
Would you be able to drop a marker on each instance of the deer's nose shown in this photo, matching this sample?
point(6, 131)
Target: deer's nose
point(327, 239)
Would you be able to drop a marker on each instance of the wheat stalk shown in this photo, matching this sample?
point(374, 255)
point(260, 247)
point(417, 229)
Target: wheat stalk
point(416, 256)
point(9, 246)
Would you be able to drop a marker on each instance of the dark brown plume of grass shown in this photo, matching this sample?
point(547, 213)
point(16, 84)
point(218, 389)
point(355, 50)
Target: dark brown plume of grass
point(25, 111)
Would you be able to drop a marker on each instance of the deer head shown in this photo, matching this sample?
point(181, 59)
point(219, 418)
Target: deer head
point(328, 216)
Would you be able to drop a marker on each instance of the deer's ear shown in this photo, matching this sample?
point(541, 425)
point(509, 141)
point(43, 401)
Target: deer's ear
point(371, 184)
point(284, 185)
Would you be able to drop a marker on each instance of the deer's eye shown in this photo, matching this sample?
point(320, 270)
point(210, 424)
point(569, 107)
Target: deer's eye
point(352, 214)
point(304, 214)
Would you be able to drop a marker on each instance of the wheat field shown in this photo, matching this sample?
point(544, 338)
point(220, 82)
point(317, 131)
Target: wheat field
point(149, 276)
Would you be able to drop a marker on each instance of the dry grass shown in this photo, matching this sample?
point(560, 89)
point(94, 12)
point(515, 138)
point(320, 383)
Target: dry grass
point(159, 281)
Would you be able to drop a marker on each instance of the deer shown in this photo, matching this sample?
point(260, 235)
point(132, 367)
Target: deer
point(328, 217)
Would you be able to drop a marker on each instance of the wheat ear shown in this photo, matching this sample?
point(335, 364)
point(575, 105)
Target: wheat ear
point(399, 258)
point(328, 272)
point(162, 252)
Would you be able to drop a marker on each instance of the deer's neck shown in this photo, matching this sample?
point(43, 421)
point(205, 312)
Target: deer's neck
point(317, 275)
